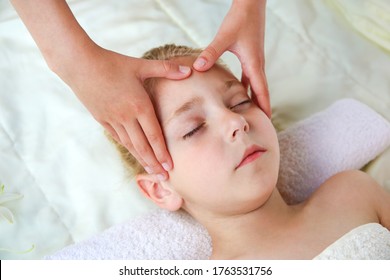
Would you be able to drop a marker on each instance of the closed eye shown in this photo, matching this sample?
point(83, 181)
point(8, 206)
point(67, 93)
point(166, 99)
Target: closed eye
point(192, 132)
point(237, 106)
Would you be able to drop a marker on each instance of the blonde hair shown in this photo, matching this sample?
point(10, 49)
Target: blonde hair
point(165, 52)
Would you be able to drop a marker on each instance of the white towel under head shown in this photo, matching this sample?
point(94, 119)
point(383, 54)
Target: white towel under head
point(345, 136)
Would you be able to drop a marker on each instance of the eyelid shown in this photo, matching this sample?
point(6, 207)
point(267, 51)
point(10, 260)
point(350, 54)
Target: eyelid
point(241, 103)
point(193, 131)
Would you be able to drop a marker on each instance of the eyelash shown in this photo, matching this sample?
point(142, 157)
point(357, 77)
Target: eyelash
point(196, 129)
point(192, 132)
point(241, 103)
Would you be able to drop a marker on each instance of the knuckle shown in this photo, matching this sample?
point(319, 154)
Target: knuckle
point(155, 166)
point(211, 52)
point(157, 144)
point(100, 120)
point(168, 65)
point(253, 66)
point(139, 108)
point(129, 145)
point(142, 149)
point(154, 137)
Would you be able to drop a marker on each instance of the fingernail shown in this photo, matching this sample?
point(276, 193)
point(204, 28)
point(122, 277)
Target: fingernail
point(148, 169)
point(166, 166)
point(200, 62)
point(161, 177)
point(184, 69)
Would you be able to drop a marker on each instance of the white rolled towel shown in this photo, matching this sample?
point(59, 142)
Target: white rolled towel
point(347, 135)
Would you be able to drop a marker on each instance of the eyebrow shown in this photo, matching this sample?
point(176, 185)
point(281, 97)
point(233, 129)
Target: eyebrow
point(187, 106)
point(196, 101)
point(231, 83)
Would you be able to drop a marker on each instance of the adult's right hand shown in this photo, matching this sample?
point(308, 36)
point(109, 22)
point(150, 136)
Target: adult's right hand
point(110, 85)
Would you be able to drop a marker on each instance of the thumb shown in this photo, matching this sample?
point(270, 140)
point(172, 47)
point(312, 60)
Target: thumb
point(208, 56)
point(260, 93)
point(163, 69)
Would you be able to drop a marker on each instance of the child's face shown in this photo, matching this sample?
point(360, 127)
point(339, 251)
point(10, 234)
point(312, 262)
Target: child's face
point(210, 123)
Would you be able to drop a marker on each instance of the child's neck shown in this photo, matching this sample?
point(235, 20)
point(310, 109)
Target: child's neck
point(248, 235)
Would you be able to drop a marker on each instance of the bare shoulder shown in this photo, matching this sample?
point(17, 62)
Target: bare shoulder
point(351, 184)
point(355, 196)
point(345, 201)
point(355, 183)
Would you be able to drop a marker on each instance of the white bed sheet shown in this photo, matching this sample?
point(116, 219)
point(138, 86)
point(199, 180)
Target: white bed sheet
point(54, 153)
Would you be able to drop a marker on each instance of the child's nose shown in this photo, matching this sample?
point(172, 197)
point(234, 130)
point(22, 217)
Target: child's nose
point(236, 126)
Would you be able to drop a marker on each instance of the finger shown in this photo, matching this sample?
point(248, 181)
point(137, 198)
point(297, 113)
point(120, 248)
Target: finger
point(255, 74)
point(163, 69)
point(145, 151)
point(111, 131)
point(244, 80)
point(260, 94)
point(151, 129)
point(209, 56)
point(125, 140)
point(154, 134)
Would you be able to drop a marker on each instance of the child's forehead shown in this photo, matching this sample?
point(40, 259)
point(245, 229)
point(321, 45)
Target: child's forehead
point(168, 92)
point(217, 79)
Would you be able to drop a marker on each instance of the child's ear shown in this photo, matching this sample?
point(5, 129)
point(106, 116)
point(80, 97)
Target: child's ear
point(161, 193)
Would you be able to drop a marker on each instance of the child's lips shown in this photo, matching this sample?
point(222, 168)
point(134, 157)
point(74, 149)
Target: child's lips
point(251, 154)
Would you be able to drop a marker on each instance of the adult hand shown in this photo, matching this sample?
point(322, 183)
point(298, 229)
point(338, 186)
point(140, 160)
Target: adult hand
point(110, 85)
point(242, 33)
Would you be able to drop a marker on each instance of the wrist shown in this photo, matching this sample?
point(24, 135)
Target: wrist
point(75, 63)
point(55, 30)
point(68, 53)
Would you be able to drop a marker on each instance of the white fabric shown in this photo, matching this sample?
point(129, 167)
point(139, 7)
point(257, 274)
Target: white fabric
point(310, 152)
point(370, 18)
point(175, 235)
point(366, 242)
point(345, 136)
point(54, 154)
point(156, 235)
